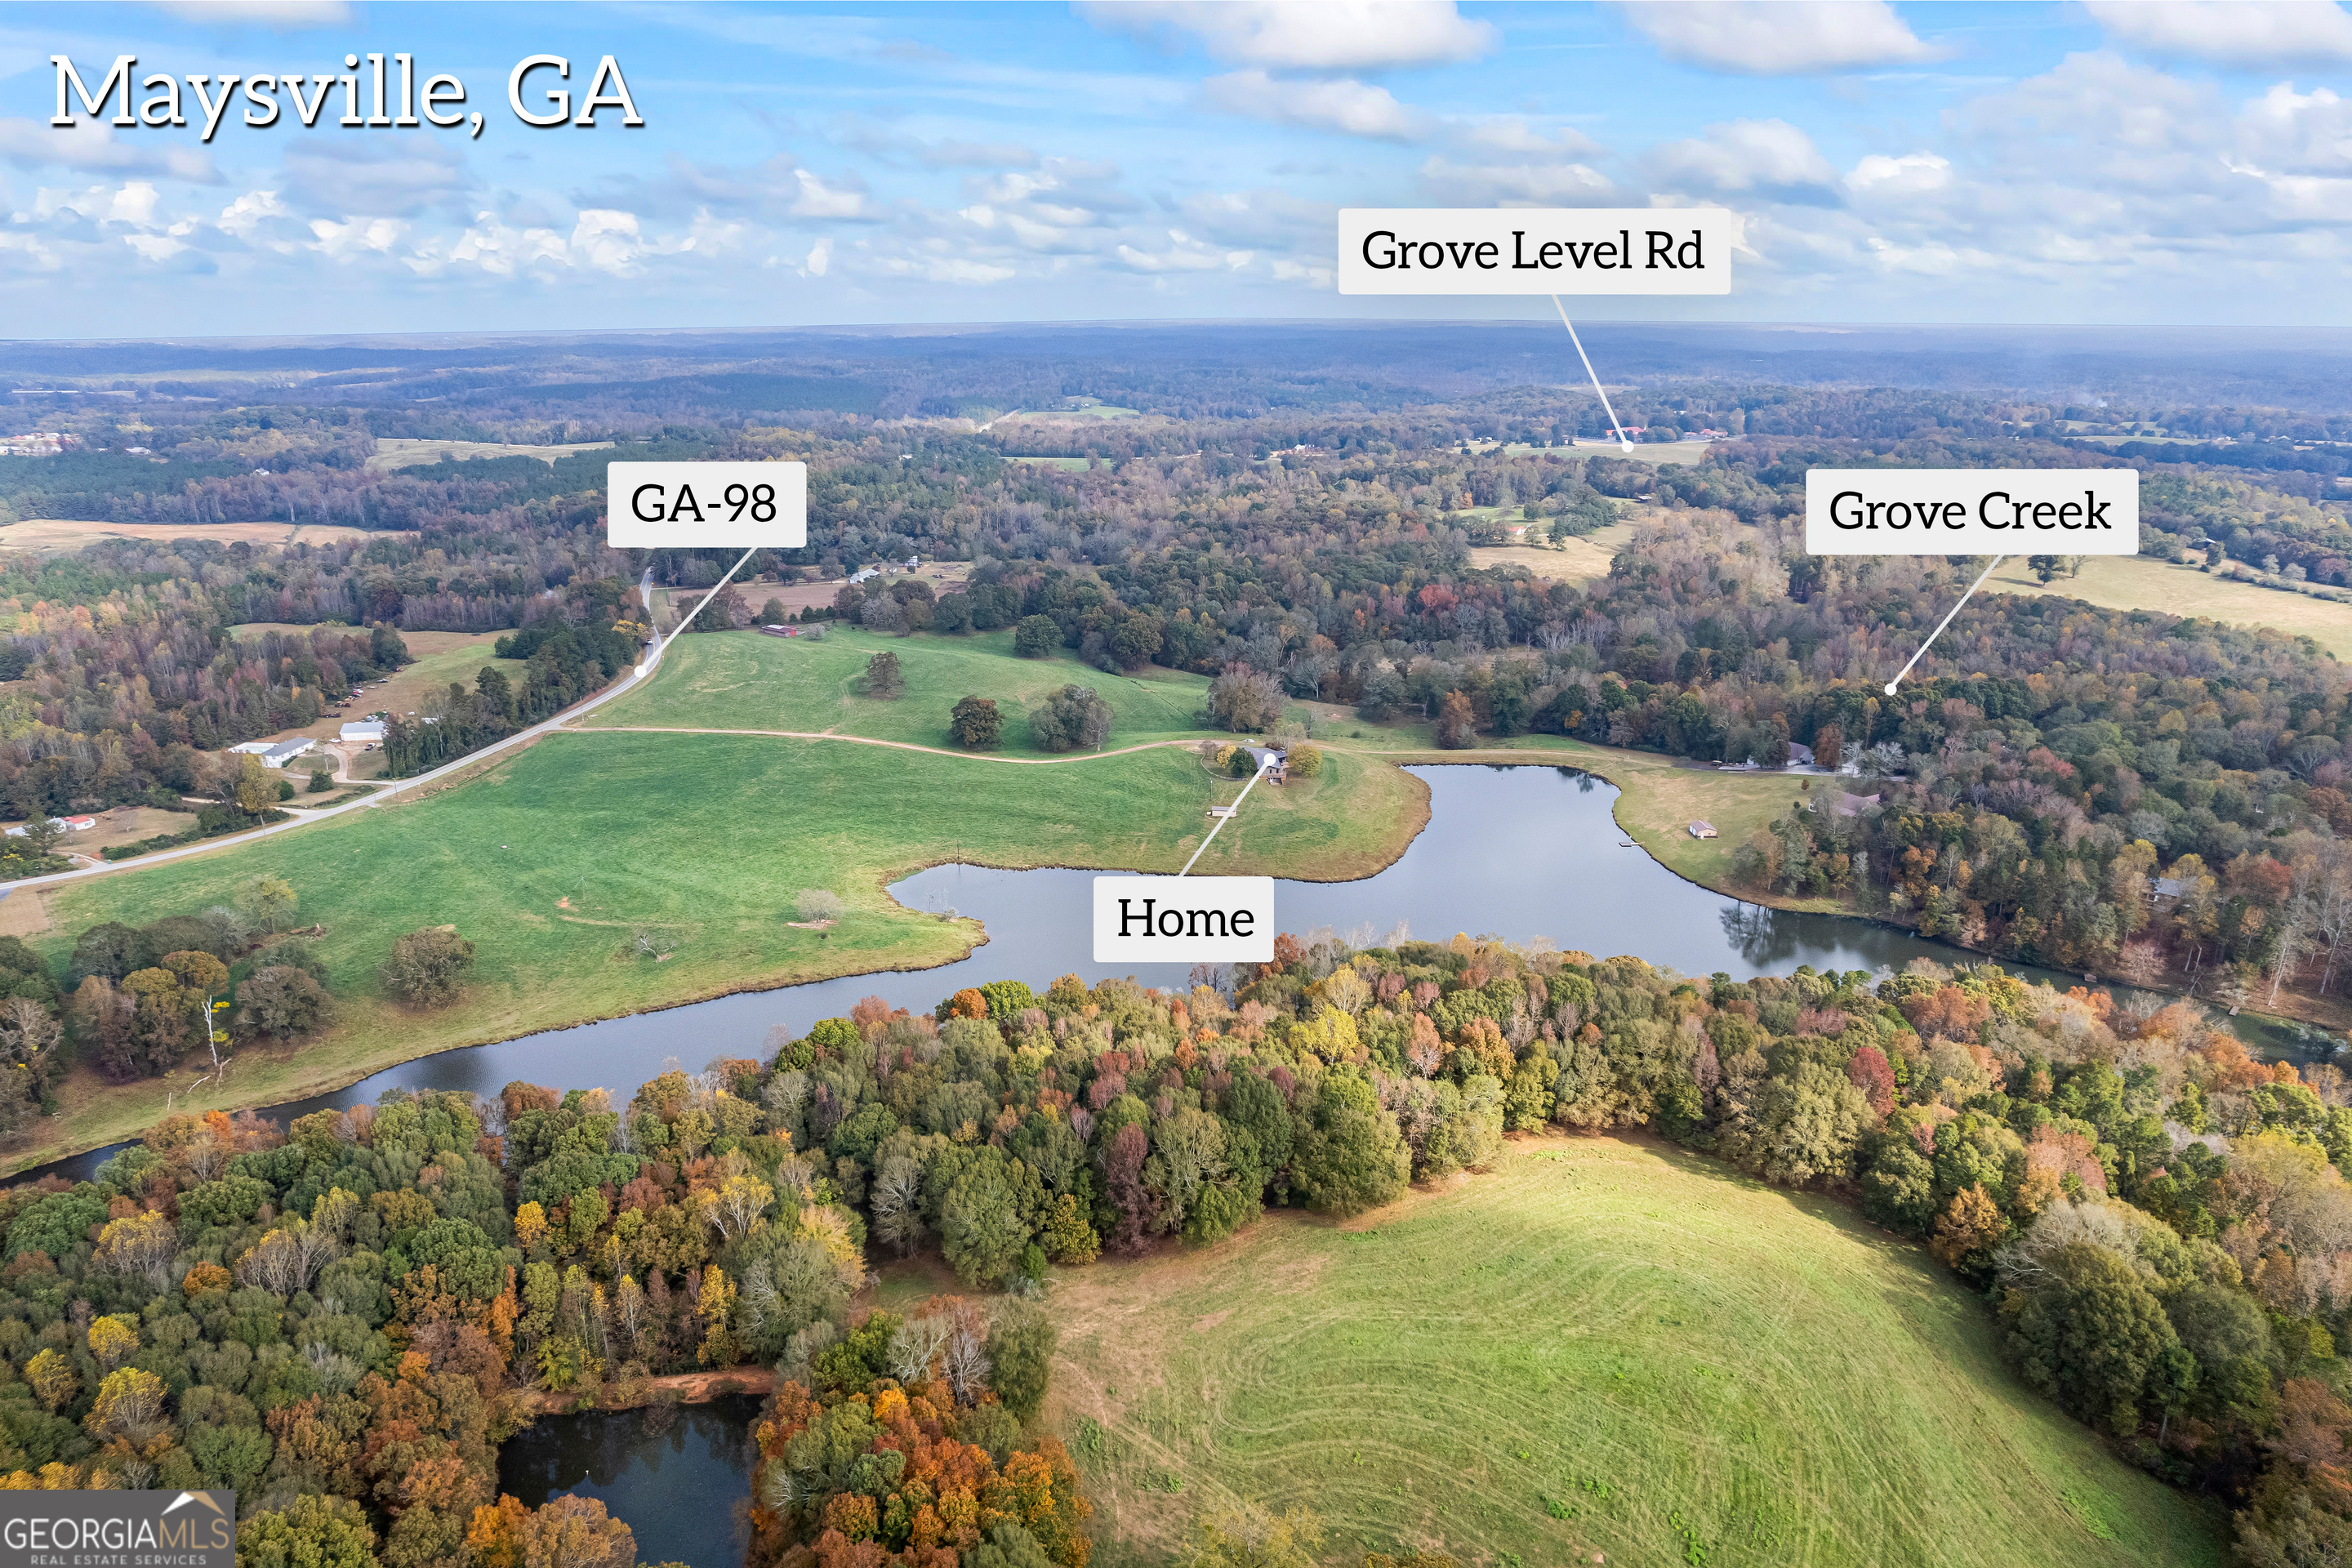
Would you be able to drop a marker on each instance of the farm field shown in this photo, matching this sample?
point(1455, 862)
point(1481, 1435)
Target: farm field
point(411, 451)
point(1602, 1345)
point(58, 536)
point(747, 679)
point(541, 860)
point(1577, 560)
point(2143, 582)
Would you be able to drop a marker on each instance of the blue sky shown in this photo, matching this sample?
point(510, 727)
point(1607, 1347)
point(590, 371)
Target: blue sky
point(2085, 161)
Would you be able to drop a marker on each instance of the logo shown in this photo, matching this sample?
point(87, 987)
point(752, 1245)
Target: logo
point(118, 1530)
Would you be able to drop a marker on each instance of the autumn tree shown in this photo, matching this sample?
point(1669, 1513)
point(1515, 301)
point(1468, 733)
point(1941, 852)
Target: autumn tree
point(1072, 719)
point(1349, 1156)
point(1020, 1353)
point(311, 1531)
point(1250, 1535)
point(1967, 1230)
point(426, 967)
point(1457, 725)
point(255, 786)
point(270, 901)
point(566, 1531)
point(2095, 1338)
point(1245, 699)
point(976, 724)
point(1036, 637)
point(283, 1003)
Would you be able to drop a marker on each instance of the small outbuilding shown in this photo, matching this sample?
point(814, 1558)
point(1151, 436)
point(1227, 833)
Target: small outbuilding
point(363, 729)
point(1702, 829)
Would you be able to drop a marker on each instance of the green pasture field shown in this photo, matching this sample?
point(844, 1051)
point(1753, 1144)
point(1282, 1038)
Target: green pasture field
point(748, 680)
point(1601, 1344)
point(553, 859)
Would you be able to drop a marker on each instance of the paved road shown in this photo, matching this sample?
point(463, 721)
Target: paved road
point(628, 682)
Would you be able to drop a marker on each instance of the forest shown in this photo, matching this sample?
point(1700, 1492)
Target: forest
point(342, 1319)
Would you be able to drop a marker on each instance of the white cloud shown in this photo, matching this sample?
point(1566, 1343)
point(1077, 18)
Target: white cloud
point(1263, 219)
point(155, 246)
point(1326, 36)
point(92, 146)
point(1769, 157)
point(1780, 37)
point(1511, 133)
point(2231, 32)
point(941, 266)
point(820, 198)
point(278, 15)
point(1879, 177)
point(242, 217)
point(134, 202)
point(2304, 132)
point(349, 239)
point(1354, 108)
point(1182, 254)
point(1515, 184)
point(820, 259)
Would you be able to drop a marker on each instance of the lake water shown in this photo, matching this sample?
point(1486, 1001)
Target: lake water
point(678, 1476)
point(1516, 852)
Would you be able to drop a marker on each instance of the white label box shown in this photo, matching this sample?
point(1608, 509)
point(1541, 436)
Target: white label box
point(1536, 250)
point(1972, 512)
point(1183, 919)
point(689, 506)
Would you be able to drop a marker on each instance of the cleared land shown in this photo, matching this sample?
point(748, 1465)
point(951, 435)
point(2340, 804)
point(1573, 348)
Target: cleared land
point(748, 680)
point(2142, 583)
point(580, 817)
point(440, 658)
point(1576, 561)
point(409, 451)
point(1602, 1345)
point(58, 536)
point(942, 575)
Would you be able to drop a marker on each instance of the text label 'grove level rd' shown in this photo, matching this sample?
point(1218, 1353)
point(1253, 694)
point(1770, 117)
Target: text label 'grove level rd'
point(1535, 250)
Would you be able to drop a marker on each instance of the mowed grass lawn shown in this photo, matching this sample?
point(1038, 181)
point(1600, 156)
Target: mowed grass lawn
point(553, 860)
point(748, 680)
point(1602, 1345)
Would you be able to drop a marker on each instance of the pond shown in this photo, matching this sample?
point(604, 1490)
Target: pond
point(1516, 852)
point(678, 1476)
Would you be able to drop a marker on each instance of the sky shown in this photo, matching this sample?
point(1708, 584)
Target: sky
point(2089, 162)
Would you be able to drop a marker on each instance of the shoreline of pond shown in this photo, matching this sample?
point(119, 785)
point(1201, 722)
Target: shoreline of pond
point(1778, 937)
point(752, 1382)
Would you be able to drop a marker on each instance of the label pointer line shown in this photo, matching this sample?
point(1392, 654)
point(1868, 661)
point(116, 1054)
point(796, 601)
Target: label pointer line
point(1220, 827)
point(1941, 625)
point(1624, 440)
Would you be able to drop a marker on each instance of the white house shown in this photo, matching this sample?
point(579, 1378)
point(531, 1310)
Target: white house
point(276, 755)
point(363, 729)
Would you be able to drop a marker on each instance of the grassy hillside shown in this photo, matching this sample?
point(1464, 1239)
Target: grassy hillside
point(748, 680)
point(556, 857)
point(1602, 1345)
